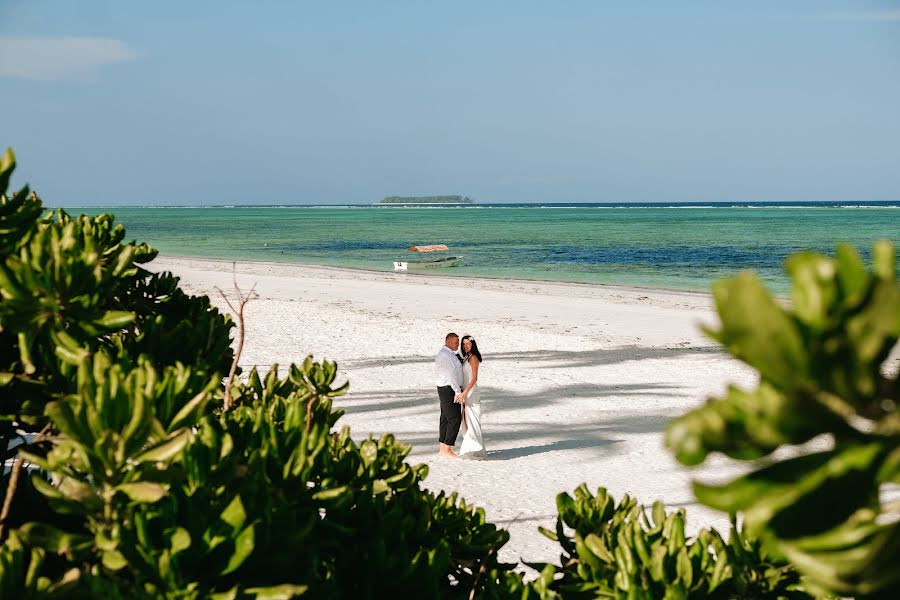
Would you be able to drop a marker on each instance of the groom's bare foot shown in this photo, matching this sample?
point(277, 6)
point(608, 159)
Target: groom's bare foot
point(447, 451)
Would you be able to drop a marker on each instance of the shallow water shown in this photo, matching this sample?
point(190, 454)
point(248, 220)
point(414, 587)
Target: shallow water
point(674, 247)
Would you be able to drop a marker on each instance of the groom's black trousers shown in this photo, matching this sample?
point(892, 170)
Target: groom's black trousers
point(451, 415)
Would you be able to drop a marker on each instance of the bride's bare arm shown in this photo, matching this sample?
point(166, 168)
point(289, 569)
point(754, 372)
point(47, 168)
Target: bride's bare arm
point(473, 362)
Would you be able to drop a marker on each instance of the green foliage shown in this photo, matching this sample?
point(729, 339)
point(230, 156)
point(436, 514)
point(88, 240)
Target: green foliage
point(73, 286)
point(257, 499)
point(616, 551)
point(825, 376)
point(141, 486)
point(18, 211)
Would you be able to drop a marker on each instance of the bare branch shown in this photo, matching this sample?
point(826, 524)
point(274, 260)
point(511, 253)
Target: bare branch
point(242, 329)
point(14, 482)
point(10, 492)
point(227, 301)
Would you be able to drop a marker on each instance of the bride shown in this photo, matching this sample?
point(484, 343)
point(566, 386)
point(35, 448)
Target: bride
point(472, 444)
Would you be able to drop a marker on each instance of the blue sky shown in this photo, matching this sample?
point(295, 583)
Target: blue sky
point(120, 103)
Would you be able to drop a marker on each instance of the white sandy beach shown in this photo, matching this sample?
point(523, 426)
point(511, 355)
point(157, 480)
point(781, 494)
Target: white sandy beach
point(578, 381)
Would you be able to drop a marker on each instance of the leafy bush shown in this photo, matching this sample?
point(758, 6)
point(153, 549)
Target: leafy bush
point(824, 377)
point(142, 486)
point(72, 286)
point(616, 551)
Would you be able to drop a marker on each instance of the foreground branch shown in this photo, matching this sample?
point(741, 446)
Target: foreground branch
point(10, 492)
point(242, 302)
point(14, 482)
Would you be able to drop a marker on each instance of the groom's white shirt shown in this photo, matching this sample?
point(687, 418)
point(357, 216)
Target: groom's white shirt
point(448, 370)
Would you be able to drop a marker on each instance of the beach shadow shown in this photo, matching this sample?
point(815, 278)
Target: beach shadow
point(521, 439)
point(605, 356)
point(552, 434)
point(498, 400)
point(560, 358)
point(513, 453)
point(521, 519)
point(364, 403)
point(511, 435)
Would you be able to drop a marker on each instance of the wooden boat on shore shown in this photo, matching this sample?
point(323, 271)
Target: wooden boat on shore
point(437, 260)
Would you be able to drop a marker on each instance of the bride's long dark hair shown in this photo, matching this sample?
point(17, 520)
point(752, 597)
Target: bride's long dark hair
point(474, 348)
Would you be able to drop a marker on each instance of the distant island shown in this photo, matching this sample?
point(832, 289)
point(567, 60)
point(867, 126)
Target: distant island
point(425, 200)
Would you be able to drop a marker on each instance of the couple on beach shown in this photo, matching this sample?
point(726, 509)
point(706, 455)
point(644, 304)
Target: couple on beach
point(457, 380)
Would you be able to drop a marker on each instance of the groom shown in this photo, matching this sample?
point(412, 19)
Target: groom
point(448, 375)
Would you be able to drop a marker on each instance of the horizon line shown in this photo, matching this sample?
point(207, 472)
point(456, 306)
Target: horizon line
point(624, 204)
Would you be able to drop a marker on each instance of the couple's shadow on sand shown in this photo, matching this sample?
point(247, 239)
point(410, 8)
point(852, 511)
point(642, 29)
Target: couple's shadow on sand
point(523, 451)
point(528, 438)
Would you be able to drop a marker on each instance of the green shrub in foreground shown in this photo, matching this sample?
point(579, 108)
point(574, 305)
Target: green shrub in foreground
point(824, 376)
point(140, 486)
point(616, 551)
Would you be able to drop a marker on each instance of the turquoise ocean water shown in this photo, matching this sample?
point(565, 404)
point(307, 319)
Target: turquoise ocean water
point(674, 247)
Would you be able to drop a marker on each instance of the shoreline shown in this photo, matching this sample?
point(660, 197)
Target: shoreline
point(525, 280)
point(577, 385)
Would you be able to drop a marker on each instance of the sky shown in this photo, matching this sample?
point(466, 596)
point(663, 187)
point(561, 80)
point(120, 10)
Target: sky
point(110, 103)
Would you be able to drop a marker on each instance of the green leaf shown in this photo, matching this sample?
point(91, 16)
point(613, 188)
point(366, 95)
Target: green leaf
point(596, 545)
point(77, 491)
point(683, 567)
point(758, 331)
point(34, 459)
point(123, 261)
point(657, 565)
point(659, 513)
point(254, 383)
point(548, 534)
point(858, 558)
point(140, 418)
point(115, 319)
point(68, 423)
point(64, 584)
point(804, 487)
point(188, 414)
point(585, 555)
point(144, 492)
point(25, 353)
point(814, 289)
point(285, 591)
point(722, 571)
point(7, 166)
point(166, 449)
point(852, 274)
point(890, 468)
point(331, 494)
point(179, 540)
point(114, 560)
point(884, 261)
point(368, 451)
point(234, 514)
point(52, 539)
point(243, 548)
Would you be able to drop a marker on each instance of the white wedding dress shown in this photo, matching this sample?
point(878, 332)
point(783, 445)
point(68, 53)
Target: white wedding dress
point(472, 443)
